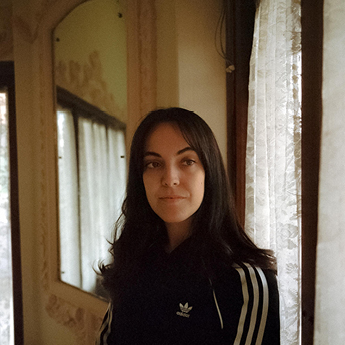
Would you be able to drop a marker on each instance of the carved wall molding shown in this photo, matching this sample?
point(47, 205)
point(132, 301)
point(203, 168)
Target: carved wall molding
point(29, 31)
point(84, 324)
point(67, 314)
point(25, 30)
point(142, 61)
point(148, 55)
point(87, 82)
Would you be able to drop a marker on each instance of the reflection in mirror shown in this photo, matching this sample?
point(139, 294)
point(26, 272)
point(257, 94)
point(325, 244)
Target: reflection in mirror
point(90, 77)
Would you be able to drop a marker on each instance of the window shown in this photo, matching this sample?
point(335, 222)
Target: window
point(92, 178)
point(11, 319)
point(266, 164)
point(6, 294)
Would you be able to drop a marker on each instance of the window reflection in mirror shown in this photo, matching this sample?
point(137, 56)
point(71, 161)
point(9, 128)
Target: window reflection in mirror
point(90, 78)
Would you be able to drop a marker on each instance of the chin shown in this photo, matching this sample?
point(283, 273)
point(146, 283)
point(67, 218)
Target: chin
point(176, 220)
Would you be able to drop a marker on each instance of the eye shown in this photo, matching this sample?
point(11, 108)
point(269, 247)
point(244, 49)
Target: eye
point(151, 165)
point(188, 162)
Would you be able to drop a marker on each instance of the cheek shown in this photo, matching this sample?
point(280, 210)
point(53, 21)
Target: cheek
point(199, 186)
point(149, 186)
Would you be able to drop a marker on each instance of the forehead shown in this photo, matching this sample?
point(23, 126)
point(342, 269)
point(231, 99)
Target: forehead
point(165, 135)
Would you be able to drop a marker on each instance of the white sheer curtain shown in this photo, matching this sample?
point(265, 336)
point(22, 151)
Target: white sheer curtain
point(102, 181)
point(330, 277)
point(92, 181)
point(68, 199)
point(273, 165)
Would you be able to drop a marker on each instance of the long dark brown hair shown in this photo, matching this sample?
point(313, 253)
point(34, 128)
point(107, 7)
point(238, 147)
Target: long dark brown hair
point(216, 232)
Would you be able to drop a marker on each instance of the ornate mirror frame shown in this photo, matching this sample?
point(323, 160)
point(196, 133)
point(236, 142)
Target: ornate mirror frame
point(70, 306)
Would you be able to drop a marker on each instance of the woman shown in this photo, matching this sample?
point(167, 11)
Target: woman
point(183, 270)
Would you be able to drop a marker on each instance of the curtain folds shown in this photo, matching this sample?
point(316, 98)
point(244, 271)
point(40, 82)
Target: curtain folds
point(102, 181)
point(68, 199)
point(273, 163)
point(92, 182)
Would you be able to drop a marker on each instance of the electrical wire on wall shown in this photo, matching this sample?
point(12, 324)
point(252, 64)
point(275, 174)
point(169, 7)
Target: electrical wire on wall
point(219, 38)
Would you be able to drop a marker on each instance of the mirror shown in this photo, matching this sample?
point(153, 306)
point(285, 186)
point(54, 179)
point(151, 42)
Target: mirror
point(90, 62)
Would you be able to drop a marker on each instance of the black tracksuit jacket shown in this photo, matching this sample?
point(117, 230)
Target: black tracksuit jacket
point(170, 303)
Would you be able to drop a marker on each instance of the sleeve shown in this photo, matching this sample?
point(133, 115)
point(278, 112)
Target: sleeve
point(259, 322)
point(272, 329)
point(105, 330)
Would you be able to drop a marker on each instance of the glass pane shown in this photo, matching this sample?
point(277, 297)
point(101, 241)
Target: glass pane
point(68, 199)
point(6, 292)
point(92, 182)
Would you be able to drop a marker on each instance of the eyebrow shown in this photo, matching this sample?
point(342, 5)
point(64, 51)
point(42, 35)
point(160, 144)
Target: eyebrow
point(155, 154)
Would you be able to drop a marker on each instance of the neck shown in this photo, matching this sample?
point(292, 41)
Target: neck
point(177, 233)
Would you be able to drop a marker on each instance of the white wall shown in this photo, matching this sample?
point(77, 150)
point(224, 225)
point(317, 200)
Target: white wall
point(191, 74)
point(330, 277)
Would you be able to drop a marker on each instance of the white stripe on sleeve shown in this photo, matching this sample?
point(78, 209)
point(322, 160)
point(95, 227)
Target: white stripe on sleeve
point(106, 326)
point(256, 296)
point(264, 307)
point(258, 316)
point(244, 309)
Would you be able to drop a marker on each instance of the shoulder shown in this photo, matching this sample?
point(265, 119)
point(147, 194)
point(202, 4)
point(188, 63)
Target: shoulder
point(250, 277)
point(260, 287)
point(256, 277)
point(257, 301)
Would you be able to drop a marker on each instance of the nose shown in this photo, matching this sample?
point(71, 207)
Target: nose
point(170, 177)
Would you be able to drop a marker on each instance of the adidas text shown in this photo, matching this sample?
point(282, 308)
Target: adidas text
point(182, 314)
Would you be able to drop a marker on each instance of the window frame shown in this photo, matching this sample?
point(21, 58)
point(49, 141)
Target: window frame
point(240, 16)
point(7, 80)
point(81, 108)
point(312, 40)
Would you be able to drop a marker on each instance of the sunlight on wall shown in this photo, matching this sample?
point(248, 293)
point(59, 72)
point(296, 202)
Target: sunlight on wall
point(191, 74)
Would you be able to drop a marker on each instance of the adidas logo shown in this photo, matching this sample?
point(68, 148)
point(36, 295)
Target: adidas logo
point(184, 310)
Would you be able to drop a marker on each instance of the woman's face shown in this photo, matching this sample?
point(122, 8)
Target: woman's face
point(174, 177)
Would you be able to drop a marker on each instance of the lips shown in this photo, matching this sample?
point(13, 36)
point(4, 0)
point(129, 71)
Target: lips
point(172, 197)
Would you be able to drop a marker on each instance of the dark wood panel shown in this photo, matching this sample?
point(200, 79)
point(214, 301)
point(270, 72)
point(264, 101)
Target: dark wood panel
point(312, 36)
point(240, 17)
